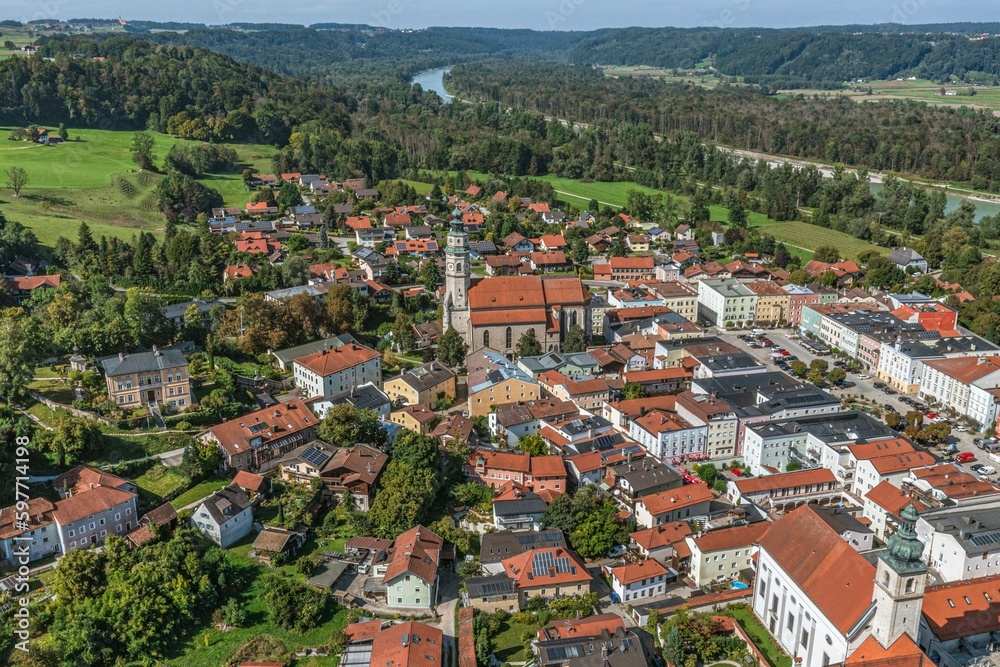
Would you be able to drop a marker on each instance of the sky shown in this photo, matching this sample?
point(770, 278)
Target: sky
point(537, 14)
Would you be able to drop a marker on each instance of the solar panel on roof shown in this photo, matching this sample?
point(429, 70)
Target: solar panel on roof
point(257, 428)
point(543, 562)
point(313, 456)
point(565, 652)
point(985, 539)
point(605, 441)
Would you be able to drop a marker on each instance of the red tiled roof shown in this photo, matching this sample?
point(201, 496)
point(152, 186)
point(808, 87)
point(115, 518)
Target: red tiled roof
point(903, 653)
point(835, 577)
point(963, 608)
point(366, 630)
point(656, 375)
point(519, 568)
point(417, 552)
point(409, 644)
point(420, 412)
point(633, 572)
point(39, 511)
point(93, 501)
point(785, 480)
point(28, 283)
point(631, 263)
point(333, 361)
point(661, 536)
point(248, 480)
point(281, 421)
point(582, 627)
point(966, 369)
point(84, 478)
point(730, 538)
point(495, 460)
point(686, 496)
point(234, 271)
point(547, 466)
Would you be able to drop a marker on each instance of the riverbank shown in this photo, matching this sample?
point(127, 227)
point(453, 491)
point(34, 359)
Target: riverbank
point(433, 80)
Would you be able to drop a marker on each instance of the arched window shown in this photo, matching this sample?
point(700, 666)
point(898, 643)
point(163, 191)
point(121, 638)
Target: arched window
point(510, 338)
point(486, 339)
point(885, 578)
point(572, 319)
point(909, 585)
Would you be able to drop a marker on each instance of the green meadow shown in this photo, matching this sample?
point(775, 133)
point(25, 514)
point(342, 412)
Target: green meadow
point(79, 181)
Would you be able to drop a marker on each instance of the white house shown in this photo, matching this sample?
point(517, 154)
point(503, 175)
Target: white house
point(338, 372)
point(637, 581)
point(666, 435)
point(225, 517)
point(688, 503)
point(968, 385)
point(814, 617)
point(960, 540)
point(722, 300)
point(720, 555)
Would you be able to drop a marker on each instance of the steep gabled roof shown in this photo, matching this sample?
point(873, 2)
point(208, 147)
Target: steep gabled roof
point(835, 577)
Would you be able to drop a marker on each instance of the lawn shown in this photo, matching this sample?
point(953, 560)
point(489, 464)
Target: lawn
point(810, 237)
point(510, 642)
point(158, 482)
point(759, 634)
point(199, 491)
point(54, 390)
point(72, 182)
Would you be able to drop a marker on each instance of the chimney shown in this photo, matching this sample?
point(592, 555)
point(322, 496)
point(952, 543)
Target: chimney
point(121, 356)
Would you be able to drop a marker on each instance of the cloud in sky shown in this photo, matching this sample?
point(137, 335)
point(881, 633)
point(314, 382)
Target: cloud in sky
point(538, 14)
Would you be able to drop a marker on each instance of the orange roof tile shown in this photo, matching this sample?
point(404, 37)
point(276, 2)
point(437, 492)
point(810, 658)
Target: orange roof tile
point(409, 644)
point(633, 572)
point(963, 608)
point(835, 577)
point(686, 496)
point(785, 480)
point(333, 361)
point(521, 569)
point(730, 538)
point(661, 536)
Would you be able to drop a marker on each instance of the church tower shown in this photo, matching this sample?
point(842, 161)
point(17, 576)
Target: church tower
point(900, 578)
point(457, 273)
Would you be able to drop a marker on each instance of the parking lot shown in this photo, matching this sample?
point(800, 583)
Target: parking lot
point(862, 387)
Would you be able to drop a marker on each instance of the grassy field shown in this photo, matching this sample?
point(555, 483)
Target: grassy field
point(804, 235)
point(199, 491)
point(510, 642)
point(921, 90)
point(158, 482)
point(71, 183)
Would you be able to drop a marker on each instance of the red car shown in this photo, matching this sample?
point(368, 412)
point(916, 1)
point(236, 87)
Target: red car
point(965, 457)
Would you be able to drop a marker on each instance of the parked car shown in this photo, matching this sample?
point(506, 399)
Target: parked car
point(965, 457)
point(864, 377)
point(949, 449)
point(987, 470)
point(976, 467)
point(618, 551)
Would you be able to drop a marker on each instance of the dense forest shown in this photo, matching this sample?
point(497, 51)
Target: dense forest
point(955, 144)
point(125, 83)
point(823, 57)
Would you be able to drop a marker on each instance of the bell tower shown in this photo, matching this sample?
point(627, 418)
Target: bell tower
point(900, 578)
point(457, 278)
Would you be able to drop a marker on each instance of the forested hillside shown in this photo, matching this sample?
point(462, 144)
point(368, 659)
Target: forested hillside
point(956, 144)
point(821, 57)
point(127, 83)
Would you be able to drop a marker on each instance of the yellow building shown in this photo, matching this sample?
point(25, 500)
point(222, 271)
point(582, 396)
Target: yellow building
point(772, 301)
point(160, 377)
point(495, 380)
point(679, 298)
point(418, 418)
point(424, 384)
